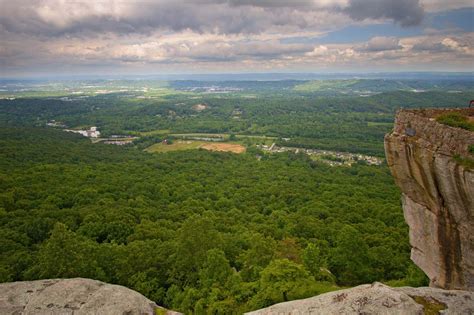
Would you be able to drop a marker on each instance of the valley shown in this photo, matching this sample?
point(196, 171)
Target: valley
point(206, 201)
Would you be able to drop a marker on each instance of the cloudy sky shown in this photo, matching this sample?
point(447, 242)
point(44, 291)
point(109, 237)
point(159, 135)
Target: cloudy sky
point(57, 37)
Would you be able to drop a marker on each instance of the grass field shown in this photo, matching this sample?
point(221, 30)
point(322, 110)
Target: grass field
point(322, 85)
point(245, 139)
point(180, 145)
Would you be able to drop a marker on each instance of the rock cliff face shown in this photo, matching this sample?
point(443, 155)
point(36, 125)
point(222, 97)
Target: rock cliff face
point(74, 296)
point(377, 298)
point(437, 194)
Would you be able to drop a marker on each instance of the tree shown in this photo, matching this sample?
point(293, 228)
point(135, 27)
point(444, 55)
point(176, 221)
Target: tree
point(65, 255)
point(281, 281)
point(257, 257)
point(195, 238)
point(312, 259)
point(349, 259)
point(216, 269)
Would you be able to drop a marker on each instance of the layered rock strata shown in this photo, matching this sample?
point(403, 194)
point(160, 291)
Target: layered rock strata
point(425, 158)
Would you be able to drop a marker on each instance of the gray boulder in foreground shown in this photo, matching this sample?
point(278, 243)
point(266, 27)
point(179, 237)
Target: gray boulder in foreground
point(379, 299)
point(74, 296)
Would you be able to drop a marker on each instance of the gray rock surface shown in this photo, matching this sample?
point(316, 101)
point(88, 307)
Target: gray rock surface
point(73, 296)
point(438, 194)
point(378, 299)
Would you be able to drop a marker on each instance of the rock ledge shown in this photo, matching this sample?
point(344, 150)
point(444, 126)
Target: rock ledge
point(378, 298)
point(74, 296)
point(437, 194)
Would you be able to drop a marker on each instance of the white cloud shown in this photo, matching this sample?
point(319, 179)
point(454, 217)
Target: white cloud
point(217, 34)
point(320, 50)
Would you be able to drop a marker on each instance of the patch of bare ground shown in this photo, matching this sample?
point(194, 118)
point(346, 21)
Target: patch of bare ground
point(224, 147)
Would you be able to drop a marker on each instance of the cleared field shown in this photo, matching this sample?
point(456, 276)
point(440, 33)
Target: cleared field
point(224, 147)
point(175, 146)
point(192, 145)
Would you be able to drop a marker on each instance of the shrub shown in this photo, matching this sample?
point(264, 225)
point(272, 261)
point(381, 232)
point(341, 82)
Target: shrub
point(457, 120)
point(471, 149)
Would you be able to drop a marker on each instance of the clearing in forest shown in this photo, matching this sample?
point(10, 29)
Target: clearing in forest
point(190, 145)
point(225, 147)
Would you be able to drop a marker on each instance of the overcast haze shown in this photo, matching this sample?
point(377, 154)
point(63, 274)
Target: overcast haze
point(59, 37)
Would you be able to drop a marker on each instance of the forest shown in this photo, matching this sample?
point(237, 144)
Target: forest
point(197, 231)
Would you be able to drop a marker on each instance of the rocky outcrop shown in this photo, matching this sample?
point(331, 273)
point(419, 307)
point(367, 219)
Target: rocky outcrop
point(437, 194)
point(378, 299)
point(74, 296)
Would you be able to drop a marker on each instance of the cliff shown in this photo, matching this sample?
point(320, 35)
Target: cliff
point(425, 158)
point(377, 298)
point(74, 296)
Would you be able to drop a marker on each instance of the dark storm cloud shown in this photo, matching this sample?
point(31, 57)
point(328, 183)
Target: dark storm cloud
point(217, 34)
point(404, 12)
point(142, 17)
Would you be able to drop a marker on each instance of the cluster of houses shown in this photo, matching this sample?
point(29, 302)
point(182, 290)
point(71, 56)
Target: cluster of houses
point(330, 157)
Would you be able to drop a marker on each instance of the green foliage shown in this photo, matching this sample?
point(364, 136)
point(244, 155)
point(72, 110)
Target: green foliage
point(205, 232)
point(64, 255)
point(196, 231)
point(464, 161)
point(282, 280)
point(216, 269)
point(349, 259)
point(315, 261)
point(456, 119)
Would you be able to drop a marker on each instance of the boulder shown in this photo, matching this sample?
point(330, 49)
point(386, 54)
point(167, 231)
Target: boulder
point(74, 296)
point(379, 299)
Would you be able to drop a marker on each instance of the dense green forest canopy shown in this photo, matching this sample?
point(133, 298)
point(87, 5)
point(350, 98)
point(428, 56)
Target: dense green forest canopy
point(195, 230)
point(200, 231)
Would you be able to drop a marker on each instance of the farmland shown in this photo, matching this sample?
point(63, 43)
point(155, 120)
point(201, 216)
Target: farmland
point(180, 145)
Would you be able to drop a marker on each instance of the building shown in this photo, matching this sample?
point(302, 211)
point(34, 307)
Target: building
point(91, 133)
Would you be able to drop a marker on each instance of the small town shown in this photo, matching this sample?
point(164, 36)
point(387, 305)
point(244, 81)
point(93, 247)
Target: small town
point(332, 158)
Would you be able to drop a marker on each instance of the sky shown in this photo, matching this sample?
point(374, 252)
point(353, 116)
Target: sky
point(120, 37)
